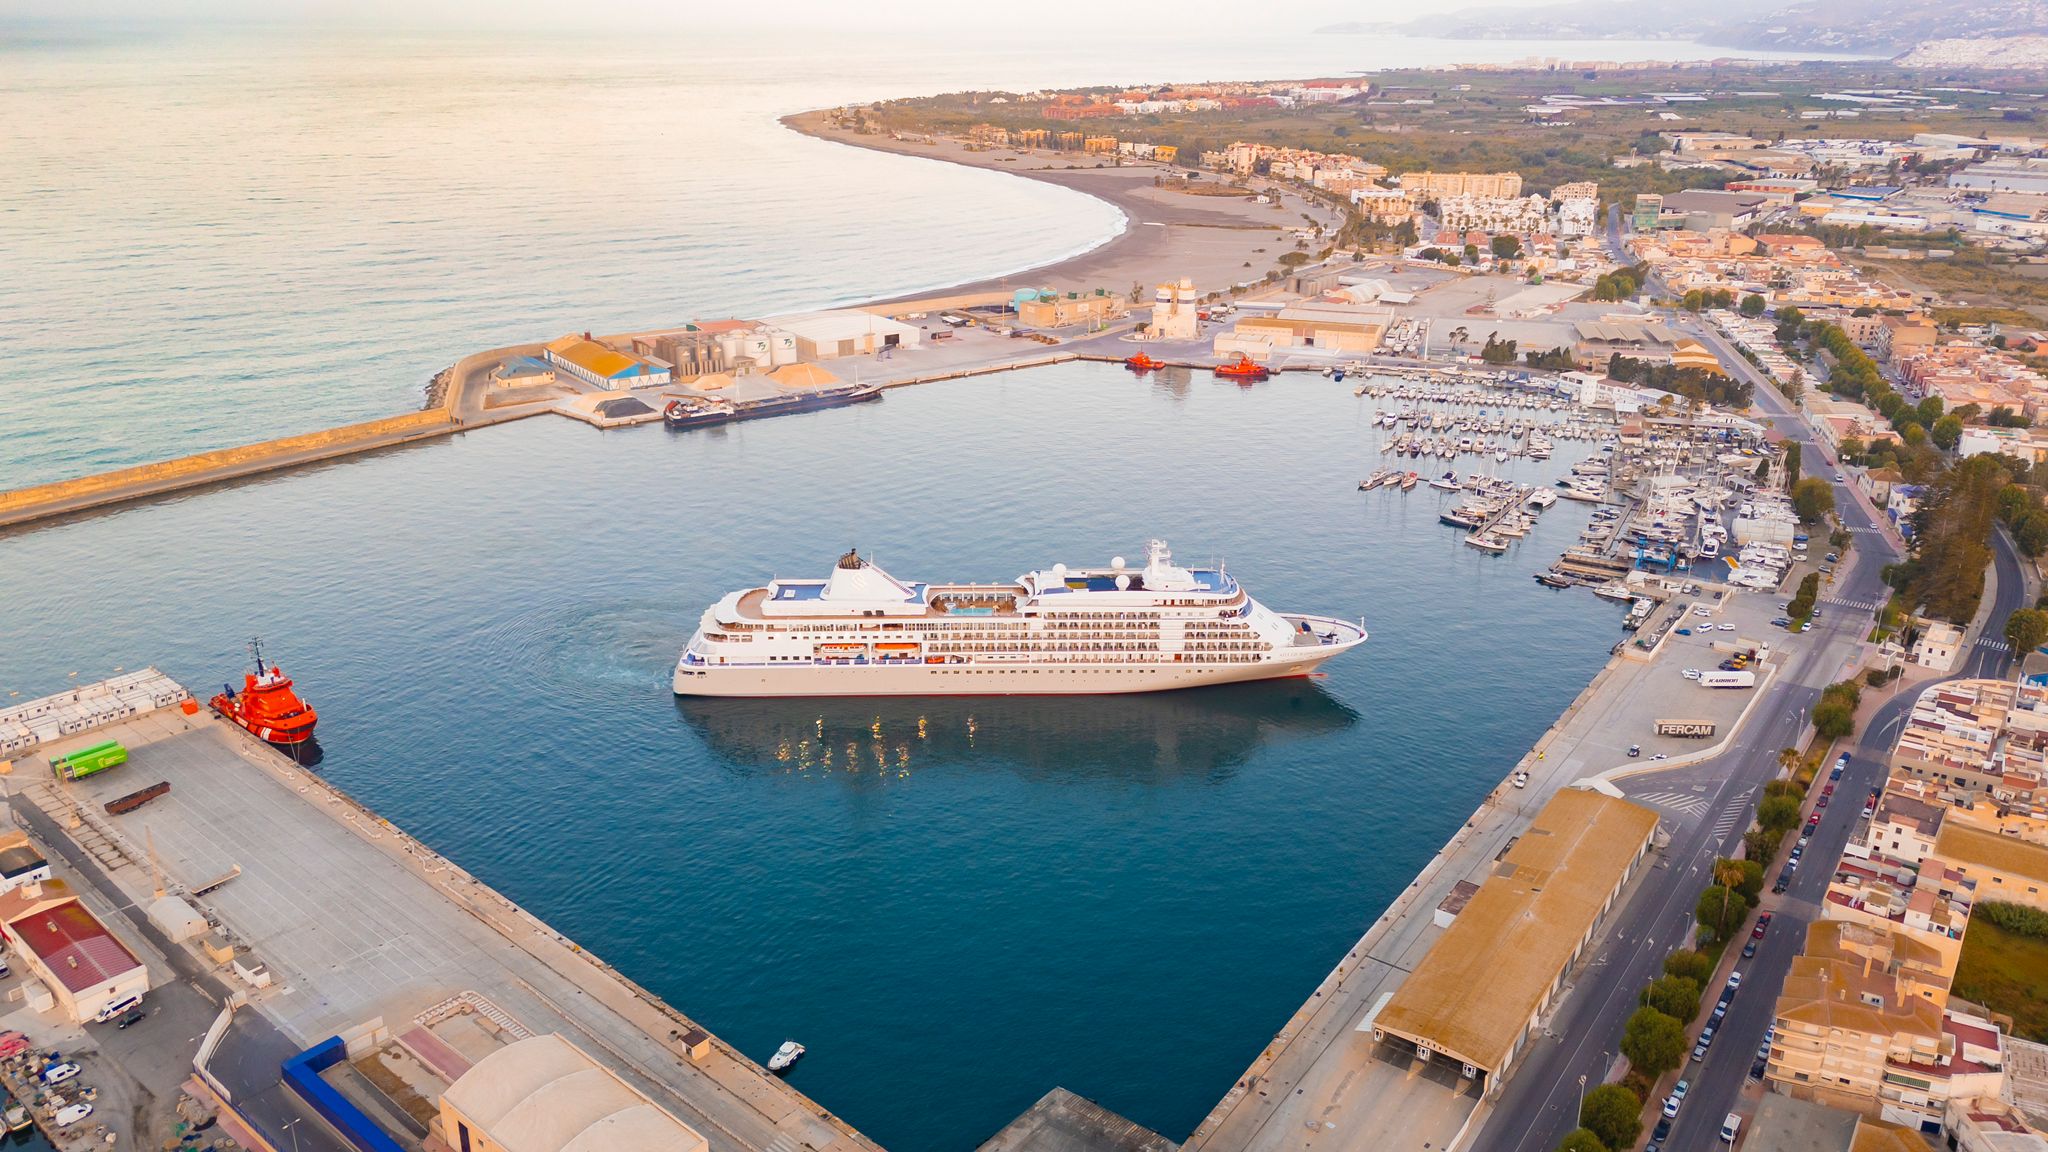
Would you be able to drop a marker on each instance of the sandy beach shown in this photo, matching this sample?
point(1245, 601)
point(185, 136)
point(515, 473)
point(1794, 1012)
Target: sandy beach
point(1217, 241)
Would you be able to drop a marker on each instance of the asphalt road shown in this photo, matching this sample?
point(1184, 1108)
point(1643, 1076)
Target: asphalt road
point(1539, 1104)
point(248, 1059)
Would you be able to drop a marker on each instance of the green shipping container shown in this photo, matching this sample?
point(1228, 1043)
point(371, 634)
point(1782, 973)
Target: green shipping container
point(86, 761)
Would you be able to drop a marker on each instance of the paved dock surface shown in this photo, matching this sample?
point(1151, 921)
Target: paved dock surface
point(357, 921)
point(1323, 1084)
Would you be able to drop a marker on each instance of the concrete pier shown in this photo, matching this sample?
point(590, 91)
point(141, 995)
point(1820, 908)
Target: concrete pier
point(368, 934)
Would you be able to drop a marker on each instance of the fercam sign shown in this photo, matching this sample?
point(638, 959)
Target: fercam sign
point(1694, 729)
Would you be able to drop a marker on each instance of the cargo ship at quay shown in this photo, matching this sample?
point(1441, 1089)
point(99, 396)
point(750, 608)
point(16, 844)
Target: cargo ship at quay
point(862, 632)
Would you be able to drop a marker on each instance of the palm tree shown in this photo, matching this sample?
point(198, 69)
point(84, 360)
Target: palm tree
point(1727, 873)
point(1788, 759)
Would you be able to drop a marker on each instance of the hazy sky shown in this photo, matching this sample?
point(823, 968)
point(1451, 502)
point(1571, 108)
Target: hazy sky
point(1194, 15)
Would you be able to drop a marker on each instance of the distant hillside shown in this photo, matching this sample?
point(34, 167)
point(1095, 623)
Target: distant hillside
point(1871, 27)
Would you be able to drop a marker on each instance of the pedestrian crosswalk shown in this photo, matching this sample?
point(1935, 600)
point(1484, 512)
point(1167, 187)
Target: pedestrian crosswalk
point(1859, 605)
point(1683, 803)
point(1993, 645)
point(1730, 817)
point(783, 1142)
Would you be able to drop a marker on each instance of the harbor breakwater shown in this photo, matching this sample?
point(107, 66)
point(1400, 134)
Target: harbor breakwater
point(41, 501)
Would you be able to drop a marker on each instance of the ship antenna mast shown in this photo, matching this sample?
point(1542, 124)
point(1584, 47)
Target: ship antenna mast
point(256, 650)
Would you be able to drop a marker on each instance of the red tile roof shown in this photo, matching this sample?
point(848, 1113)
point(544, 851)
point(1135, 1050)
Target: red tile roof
point(74, 945)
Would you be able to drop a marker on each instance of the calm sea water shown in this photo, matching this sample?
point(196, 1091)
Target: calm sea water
point(956, 904)
point(214, 238)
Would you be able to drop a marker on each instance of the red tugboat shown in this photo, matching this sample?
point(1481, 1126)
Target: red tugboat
point(1143, 363)
point(267, 706)
point(1243, 368)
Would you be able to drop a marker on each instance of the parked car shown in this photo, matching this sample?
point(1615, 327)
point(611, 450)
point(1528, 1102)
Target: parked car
point(1662, 1130)
point(57, 1073)
point(1821, 803)
point(1635, 750)
point(1827, 790)
point(1841, 479)
point(1756, 1070)
point(1684, 631)
point(1763, 925)
point(1691, 673)
point(1748, 949)
point(1726, 627)
point(129, 1018)
point(1783, 882)
point(1782, 622)
point(1735, 980)
point(1832, 557)
point(1521, 779)
point(1679, 1090)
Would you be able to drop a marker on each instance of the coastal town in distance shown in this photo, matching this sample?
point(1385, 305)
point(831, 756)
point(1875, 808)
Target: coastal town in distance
point(1743, 357)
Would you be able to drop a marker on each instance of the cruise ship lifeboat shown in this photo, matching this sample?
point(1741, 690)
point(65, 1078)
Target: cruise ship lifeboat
point(1244, 368)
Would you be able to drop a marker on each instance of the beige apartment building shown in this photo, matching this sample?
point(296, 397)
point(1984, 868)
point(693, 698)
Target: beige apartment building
point(1434, 184)
point(2003, 868)
point(1854, 1002)
point(1864, 1024)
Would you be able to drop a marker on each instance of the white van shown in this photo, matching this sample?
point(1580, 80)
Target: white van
point(1730, 1127)
point(116, 1008)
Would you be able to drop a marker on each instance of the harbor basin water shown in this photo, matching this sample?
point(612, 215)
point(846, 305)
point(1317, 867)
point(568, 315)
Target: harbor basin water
point(957, 904)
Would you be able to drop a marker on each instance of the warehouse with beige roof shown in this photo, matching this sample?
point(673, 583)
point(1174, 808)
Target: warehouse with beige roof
point(1487, 982)
point(543, 1094)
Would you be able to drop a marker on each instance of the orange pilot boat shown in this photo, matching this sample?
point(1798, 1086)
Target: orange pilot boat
point(1243, 368)
point(1143, 363)
point(266, 705)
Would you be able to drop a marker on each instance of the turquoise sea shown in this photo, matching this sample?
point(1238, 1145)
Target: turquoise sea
point(956, 904)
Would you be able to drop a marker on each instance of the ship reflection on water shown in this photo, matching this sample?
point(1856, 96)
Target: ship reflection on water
point(1192, 735)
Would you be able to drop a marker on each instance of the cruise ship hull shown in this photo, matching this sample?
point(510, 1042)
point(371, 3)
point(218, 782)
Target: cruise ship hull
point(999, 679)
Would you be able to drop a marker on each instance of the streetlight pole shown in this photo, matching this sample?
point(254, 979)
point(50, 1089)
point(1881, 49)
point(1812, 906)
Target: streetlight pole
point(1582, 1096)
point(293, 1128)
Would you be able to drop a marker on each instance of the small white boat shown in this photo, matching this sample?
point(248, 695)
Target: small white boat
point(788, 1054)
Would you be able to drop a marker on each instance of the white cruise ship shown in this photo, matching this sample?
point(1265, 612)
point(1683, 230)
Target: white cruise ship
point(862, 632)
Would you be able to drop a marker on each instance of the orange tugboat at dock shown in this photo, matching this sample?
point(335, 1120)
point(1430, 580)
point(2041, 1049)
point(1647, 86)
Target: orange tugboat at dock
point(1143, 363)
point(267, 706)
point(1243, 368)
